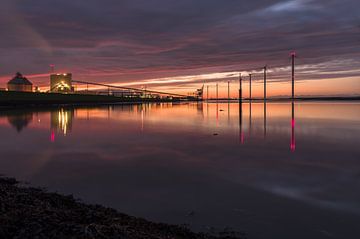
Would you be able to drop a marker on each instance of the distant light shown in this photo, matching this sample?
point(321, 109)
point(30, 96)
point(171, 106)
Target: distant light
point(293, 53)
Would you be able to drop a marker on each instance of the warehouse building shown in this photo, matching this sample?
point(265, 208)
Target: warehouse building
point(20, 83)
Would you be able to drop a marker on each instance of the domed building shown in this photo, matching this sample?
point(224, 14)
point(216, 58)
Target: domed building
point(20, 83)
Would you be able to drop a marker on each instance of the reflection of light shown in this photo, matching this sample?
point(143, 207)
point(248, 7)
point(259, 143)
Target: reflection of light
point(52, 136)
point(292, 143)
point(142, 119)
point(63, 120)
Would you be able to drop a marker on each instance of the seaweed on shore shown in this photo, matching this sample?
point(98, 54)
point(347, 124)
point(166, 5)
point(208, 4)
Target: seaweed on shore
point(27, 212)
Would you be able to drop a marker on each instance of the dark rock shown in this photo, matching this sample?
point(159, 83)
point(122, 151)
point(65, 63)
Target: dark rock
point(27, 212)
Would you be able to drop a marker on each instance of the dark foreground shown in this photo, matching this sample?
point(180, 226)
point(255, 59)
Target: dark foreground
point(16, 99)
point(27, 212)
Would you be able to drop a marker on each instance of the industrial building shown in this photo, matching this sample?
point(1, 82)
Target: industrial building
point(61, 83)
point(20, 83)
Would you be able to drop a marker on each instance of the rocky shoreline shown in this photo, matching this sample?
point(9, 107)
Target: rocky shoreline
point(27, 212)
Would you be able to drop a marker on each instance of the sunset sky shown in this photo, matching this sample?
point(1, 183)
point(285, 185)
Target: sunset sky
point(177, 46)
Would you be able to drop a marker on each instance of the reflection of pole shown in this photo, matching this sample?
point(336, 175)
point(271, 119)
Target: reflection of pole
point(240, 88)
point(264, 119)
point(240, 124)
point(250, 86)
point(52, 136)
point(249, 117)
point(292, 143)
point(207, 110)
point(217, 113)
point(228, 112)
point(293, 75)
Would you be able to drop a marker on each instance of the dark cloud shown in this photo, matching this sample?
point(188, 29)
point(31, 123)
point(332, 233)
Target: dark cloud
point(138, 39)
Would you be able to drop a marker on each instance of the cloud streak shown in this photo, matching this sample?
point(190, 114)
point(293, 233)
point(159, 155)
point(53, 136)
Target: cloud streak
point(138, 41)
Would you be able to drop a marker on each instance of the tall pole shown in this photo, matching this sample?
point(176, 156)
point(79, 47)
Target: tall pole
point(228, 90)
point(207, 92)
point(292, 75)
point(240, 89)
point(217, 91)
point(250, 87)
point(265, 69)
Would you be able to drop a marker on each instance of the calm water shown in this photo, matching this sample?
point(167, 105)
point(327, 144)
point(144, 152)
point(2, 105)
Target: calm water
point(207, 165)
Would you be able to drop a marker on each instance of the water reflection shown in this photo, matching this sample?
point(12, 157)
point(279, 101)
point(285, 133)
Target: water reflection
point(265, 119)
point(161, 161)
point(20, 120)
point(61, 120)
point(241, 123)
point(241, 134)
point(292, 143)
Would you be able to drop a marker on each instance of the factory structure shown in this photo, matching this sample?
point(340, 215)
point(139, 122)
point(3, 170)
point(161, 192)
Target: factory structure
point(61, 83)
point(64, 84)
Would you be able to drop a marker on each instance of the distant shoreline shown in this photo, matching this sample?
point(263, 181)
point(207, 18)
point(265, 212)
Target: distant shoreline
point(9, 99)
point(322, 98)
point(28, 212)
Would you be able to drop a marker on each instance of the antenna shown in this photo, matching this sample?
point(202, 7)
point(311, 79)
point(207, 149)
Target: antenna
point(52, 68)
